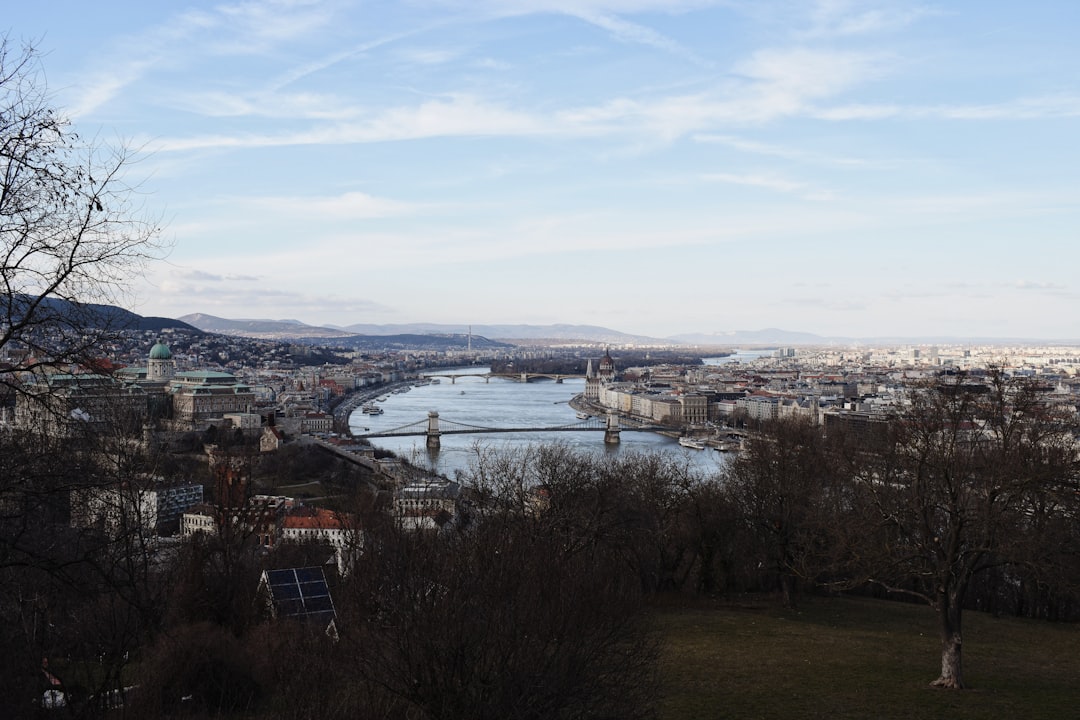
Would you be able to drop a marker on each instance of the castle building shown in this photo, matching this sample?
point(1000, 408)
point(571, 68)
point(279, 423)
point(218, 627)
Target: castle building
point(193, 397)
point(202, 395)
point(63, 404)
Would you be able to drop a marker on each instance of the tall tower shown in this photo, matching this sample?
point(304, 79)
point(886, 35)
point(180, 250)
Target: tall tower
point(607, 367)
point(592, 383)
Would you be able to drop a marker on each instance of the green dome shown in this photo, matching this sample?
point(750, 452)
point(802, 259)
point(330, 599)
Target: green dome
point(160, 351)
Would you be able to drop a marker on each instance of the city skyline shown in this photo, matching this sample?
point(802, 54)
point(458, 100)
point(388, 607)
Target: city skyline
point(842, 168)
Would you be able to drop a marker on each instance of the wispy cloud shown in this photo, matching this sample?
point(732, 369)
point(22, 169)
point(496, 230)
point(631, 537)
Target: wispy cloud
point(227, 29)
point(844, 18)
point(630, 32)
point(1041, 286)
point(771, 150)
point(458, 115)
point(201, 276)
point(429, 55)
point(793, 76)
point(1057, 105)
point(770, 182)
point(209, 290)
point(304, 70)
point(348, 206)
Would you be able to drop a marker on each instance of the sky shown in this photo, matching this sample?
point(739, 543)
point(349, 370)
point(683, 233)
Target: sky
point(840, 167)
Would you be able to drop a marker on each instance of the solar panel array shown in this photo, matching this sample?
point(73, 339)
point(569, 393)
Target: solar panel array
point(301, 593)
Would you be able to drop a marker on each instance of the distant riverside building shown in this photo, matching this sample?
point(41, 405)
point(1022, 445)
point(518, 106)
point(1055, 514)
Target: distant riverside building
point(695, 408)
point(592, 384)
point(595, 380)
point(607, 367)
point(759, 407)
point(317, 422)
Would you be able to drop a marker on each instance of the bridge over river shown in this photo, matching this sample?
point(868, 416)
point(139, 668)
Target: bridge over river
point(434, 427)
point(517, 376)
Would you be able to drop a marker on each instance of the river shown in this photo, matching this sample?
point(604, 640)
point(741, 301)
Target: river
point(502, 403)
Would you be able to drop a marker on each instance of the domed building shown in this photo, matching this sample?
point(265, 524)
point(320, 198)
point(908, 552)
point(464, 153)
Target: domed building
point(160, 366)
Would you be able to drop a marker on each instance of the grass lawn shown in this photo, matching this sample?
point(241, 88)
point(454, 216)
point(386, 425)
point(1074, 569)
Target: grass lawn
point(858, 658)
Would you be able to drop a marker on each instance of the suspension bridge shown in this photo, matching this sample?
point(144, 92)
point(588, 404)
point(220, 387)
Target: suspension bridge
point(522, 376)
point(434, 427)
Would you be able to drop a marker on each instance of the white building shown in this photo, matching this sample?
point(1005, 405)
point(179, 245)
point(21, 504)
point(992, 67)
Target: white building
point(340, 531)
point(426, 505)
point(150, 505)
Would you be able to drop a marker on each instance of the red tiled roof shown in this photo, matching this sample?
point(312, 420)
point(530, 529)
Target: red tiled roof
point(315, 518)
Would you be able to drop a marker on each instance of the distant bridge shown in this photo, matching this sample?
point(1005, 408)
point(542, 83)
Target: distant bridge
point(515, 376)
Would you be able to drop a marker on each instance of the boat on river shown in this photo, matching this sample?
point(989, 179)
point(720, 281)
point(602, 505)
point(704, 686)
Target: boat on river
point(370, 409)
point(692, 443)
point(583, 415)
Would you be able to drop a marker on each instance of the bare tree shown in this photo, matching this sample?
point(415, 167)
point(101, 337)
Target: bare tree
point(977, 477)
point(780, 485)
point(71, 229)
point(71, 234)
point(529, 611)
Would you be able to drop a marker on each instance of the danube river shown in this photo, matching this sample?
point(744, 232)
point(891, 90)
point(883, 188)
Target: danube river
point(502, 403)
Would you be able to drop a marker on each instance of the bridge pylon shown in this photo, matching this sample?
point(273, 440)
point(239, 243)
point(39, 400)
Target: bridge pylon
point(433, 433)
point(611, 434)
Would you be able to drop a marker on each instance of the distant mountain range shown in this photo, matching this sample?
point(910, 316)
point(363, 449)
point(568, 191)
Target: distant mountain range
point(293, 329)
point(296, 331)
point(262, 329)
point(90, 315)
point(408, 334)
point(587, 333)
point(448, 336)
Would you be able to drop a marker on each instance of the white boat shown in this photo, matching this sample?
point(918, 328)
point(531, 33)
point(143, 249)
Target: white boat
point(436, 381)
point(689, 442)
point(372, 410)
point(583, 415)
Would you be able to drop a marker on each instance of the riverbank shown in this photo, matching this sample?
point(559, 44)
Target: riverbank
point(719, 439)
point(355, 399)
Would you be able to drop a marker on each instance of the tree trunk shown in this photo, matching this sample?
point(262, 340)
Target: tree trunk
point(951, 643)
point(787, 589)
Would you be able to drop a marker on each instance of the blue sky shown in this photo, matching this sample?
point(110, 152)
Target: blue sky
point(842, 167)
